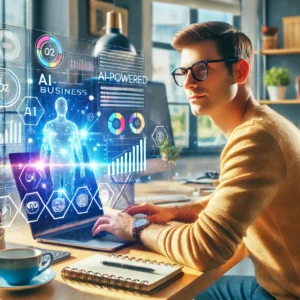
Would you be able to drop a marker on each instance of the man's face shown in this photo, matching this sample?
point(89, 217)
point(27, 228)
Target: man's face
point(219, 88)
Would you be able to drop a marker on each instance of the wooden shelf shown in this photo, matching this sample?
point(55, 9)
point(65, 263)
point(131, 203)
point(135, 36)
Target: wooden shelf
point(281, 51)
point(280, 102)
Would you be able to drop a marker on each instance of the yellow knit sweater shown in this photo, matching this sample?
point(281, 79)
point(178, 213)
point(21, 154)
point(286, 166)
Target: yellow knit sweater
point(257, 201)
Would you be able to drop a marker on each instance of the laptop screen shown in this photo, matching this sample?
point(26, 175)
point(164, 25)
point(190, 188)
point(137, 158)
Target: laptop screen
point(45, 208)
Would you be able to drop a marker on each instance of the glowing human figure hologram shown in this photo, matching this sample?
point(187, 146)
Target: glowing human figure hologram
point(62, 136)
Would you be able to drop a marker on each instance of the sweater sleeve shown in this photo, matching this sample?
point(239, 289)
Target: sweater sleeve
point(252, 170)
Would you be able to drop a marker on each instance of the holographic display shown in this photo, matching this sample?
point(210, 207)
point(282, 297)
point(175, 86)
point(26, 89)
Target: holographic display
point(77, 125)
point(10, 49)
point(49, 51)
point(61, 136)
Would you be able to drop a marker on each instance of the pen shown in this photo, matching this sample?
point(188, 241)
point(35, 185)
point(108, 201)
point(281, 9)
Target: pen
point(125, 266)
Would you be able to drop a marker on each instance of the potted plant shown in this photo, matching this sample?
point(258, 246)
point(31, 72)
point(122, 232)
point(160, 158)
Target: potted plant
point(277, 80)
point(169, 153)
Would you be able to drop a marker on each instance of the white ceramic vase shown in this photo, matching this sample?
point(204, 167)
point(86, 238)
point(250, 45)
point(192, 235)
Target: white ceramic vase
point(277, 92)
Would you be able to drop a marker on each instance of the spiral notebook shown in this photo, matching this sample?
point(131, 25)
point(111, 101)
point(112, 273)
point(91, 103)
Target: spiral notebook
point(130, 274)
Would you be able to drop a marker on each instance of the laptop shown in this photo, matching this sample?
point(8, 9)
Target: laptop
point(52, 216)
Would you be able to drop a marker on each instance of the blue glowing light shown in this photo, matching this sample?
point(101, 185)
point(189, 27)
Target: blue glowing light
point(83, 134)
point(63, 151)
point(30, 140)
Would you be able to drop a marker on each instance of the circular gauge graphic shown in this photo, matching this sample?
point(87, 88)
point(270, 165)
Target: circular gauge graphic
point(137, 123)
point(49, 51)
point(116, 123)
point(10, 45)
point(9, 88)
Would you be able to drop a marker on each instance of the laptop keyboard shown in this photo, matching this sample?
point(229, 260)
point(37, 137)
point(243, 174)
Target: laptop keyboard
point(82, 234)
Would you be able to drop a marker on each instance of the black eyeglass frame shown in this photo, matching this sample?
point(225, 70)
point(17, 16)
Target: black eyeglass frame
point(206, 62)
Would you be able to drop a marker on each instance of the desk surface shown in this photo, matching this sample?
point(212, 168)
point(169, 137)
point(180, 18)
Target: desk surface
point(187, 287)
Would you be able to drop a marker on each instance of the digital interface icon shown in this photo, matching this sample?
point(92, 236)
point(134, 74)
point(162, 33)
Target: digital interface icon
point(105, 194)
point(11, 134)
point(49, 51)
point(30, 110)
point(58, 204)
point(10, 48)
point(137, 123)
point(8, 211)
point(159, 136)
point(90, 117)
point(30, 177)
point(32, 207)
point(116, 123)
point(82, 200)
point(9, 88)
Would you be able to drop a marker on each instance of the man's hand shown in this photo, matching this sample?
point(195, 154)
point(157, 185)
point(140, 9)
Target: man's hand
point(155, 214)
point(117, 223)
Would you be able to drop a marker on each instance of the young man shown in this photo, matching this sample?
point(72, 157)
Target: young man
point(257, 200)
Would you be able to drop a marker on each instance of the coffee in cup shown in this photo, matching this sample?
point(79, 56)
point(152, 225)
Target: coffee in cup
point(18, 266)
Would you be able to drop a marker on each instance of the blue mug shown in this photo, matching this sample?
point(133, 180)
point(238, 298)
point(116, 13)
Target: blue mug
point(18, 266)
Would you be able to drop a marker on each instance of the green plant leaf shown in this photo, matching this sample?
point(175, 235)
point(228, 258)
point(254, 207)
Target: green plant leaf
point(277, 77)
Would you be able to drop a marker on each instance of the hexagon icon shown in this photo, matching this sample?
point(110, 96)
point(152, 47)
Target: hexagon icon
point(82, 200)
point(30, 177)
point(105, 194)
point(58, 204)
point(159, 136)
point(30, 110)
point(8, 211)
point(32, 207)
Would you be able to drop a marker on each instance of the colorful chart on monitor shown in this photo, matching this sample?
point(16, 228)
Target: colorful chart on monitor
point(49, 51)
point(10, 45)
point(137, 123)
point(116, 123)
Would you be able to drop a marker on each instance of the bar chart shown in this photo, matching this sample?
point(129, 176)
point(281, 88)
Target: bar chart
point(129, 161)
point(11, 133)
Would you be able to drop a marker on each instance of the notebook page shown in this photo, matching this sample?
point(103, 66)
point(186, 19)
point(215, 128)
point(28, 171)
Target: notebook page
point(161, 274)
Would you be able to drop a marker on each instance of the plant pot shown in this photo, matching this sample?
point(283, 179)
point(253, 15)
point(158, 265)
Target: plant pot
point(277, 92)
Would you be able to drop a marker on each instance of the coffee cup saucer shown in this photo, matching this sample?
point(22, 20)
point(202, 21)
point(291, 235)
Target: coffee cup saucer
point(44, 278)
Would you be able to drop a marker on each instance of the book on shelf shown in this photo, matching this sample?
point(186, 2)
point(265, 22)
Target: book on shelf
point(122, 272)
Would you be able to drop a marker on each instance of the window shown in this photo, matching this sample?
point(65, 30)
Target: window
point(189, 132)
point(13, 12)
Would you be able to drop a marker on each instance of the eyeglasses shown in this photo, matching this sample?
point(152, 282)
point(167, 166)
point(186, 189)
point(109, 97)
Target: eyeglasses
point(199, 70)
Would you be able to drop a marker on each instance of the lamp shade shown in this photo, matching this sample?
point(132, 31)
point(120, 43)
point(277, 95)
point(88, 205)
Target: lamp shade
point(113, 39)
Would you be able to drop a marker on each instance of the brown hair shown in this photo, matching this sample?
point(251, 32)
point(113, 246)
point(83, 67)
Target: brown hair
point(230, 42)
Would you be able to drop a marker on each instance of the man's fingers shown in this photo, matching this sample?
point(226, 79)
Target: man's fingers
point(101, 220)
point(139, 209)
point(102, 227)
point(155, 219)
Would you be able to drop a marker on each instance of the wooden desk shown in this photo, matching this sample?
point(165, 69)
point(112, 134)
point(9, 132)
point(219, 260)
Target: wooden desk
point(187, 287)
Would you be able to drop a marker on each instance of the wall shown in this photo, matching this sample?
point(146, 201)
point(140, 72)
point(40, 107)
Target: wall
point(134, 8)
point(275, 11)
